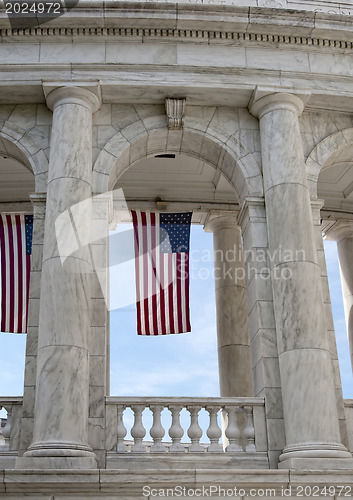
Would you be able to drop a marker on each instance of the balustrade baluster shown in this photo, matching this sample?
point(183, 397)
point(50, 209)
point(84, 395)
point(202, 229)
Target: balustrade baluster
point(195, 431)
point(138, 431)
point(157, 432)
point(213, 431)
point(121, 447)
point(176, 431)
point(249, 431)
point(6, 432)
point(232, 431)
point(235, 435)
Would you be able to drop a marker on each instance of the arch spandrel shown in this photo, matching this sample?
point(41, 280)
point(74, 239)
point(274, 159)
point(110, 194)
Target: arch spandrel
point(324, 154)
point(136, 142)
point(27, 151)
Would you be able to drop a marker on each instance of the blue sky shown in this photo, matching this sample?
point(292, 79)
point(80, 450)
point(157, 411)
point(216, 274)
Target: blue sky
point(175, 365)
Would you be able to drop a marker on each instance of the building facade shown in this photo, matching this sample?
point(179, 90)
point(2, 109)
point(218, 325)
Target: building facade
point(253, 106)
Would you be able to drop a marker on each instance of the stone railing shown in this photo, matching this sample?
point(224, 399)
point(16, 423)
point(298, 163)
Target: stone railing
point(209, 425)
point(10, 431)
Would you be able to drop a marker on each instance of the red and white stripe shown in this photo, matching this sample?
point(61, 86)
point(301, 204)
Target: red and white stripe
point(162, 281)
point(15, 271)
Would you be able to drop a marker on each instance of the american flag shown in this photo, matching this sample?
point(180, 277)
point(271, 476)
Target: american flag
point(162, 272)
point(15, 247)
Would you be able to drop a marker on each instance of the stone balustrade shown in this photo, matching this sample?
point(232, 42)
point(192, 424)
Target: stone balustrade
point(139, 428)
point(211, 425)
point(10, 430)
point(13, 407)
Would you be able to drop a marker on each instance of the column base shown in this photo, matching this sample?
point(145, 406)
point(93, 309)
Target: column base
point(57, 455)
point(317, 464)
point(40, 463)
point(327, 456)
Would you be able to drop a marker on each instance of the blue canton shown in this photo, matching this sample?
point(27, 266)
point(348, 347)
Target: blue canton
point(29, 233)
point(175, 232)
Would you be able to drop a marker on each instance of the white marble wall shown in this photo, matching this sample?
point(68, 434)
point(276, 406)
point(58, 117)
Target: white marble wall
point(228, 122)
point(262, 326)
point(30, 126)
point(99, 331)
point(225, 124)
point(215, 53)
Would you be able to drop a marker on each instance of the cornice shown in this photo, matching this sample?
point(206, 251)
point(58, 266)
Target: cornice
point(170, 35)
point(162, 21)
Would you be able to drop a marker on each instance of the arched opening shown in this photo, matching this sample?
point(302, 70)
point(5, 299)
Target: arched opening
point(220, 173)
point(335, 188)
point(175, 365)
point(16, 183)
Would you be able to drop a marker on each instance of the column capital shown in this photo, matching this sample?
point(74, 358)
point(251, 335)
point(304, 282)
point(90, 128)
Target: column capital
point(38, 197)
point(266, 99)
point(216, 220)
point(252, 206)
point(86, 94)
point(340, 230)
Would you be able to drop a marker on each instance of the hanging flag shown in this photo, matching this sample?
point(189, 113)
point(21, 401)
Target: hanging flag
point(162, 272)
point(15, 247)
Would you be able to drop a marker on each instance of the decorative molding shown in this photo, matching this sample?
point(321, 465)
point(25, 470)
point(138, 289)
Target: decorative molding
point(175, 110)
point(38, 197)
point(221, 219)
point(250, 202)
point(339, 230)
point(139, 34)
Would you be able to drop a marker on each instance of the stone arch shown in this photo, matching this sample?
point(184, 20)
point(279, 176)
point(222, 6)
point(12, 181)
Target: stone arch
point(325, 151)
point(213, 145)
point(27, 151)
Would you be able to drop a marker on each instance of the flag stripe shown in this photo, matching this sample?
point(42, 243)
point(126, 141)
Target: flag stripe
point(162, 294)
point(21, 262)
point(145, 274)
point(162, 280)
point(156, 257)
point(8, 278)
point(26, 297)
point(141, 266)
point(165, 257)
point(187, 281)
point(179, 291)
point(148, 278)
point(154, 274)
point(3, 276)
point(12, 273)
point(15, 247)
point(171, 293)
point(137, 271)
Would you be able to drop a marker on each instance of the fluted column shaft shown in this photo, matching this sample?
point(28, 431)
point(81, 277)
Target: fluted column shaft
point(62, 390)
point(342, 232)
point(235, 374)
point(310, 415)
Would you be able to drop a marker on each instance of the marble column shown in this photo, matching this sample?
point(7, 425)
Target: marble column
point(309, 406)
point(235, 373)
point(60, 437)
point(342, 232)
point(38, 201)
